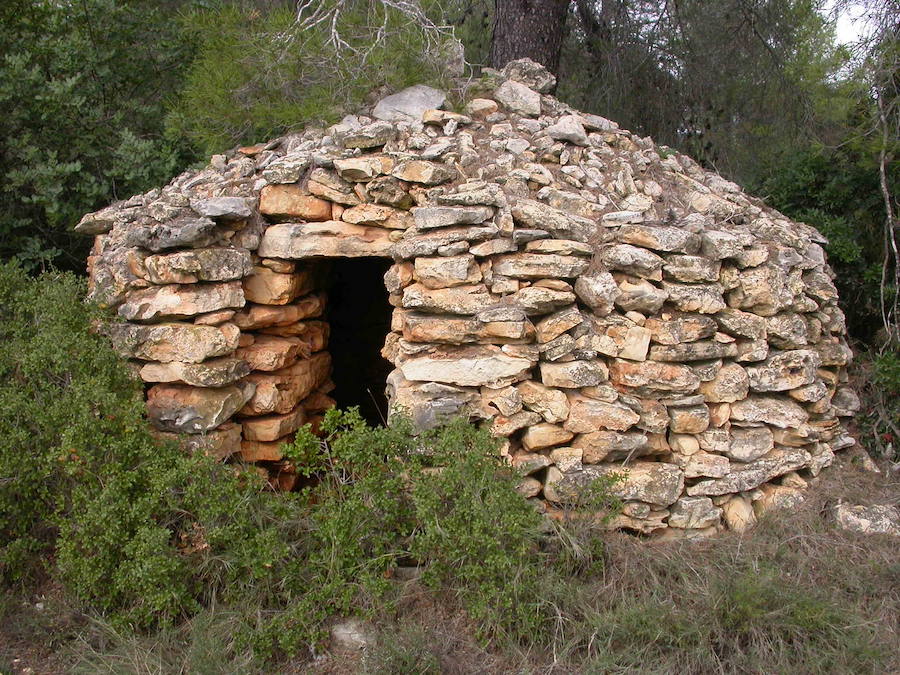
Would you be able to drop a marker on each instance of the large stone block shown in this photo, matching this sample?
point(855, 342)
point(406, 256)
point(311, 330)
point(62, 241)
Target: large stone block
point(465, 366)
point(287, 202)
point(280, 391)
point(193, 410)
point(178, 301)
point(205, 264)
point(329, 239)
point(168, 342)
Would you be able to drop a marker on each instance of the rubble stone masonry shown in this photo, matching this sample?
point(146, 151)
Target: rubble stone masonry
point(601, 303)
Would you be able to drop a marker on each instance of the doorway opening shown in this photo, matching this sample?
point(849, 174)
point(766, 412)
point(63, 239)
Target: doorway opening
point(359, 315)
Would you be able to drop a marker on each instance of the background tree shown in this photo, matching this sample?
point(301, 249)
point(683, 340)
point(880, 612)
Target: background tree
point(528, 28)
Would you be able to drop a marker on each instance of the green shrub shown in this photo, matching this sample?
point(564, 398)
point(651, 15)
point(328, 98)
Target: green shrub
point(135, 527)
point(257, 75)
point(84, 88)
point(148, 535)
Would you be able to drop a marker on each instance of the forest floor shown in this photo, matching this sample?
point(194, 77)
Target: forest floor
point(733, 603)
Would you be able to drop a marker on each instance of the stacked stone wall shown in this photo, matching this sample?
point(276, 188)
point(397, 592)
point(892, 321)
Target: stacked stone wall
point(602, 304)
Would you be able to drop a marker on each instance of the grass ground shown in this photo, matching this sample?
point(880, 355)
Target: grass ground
point(794, 595)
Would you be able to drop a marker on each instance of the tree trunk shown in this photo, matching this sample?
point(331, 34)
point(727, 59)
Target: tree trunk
point(528, 28)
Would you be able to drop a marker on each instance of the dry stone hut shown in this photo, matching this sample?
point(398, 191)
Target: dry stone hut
point(597, 300)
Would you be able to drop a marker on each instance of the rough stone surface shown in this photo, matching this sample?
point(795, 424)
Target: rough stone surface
point(598, 304)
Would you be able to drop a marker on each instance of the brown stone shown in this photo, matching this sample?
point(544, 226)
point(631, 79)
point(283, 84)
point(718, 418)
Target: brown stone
point(574, 374)
point(290, 201)
point(193, 410)
point(651, 377)
point(280, 391)
point(466, 366)
point(329, 239)
point(444, 272)
point(543, 435)
point(692, 419)
point(270, 352)
point(219, 443)
point(607, 445)
point(267, 287)
point(254, 317)
point(177, 301)
point(673, 330)
point(551, 404)
point(262, 451)
point(730, 384)
point(210, 373)
point(378, 215)
point(588, 414)
point(273, 427)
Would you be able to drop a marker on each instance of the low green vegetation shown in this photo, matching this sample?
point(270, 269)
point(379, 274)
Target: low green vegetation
point(160, 561)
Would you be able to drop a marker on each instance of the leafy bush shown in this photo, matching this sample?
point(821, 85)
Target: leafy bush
point(148, 535)
point(137, 528)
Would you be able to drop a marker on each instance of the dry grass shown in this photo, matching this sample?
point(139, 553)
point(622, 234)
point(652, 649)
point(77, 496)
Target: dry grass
point(794, 595)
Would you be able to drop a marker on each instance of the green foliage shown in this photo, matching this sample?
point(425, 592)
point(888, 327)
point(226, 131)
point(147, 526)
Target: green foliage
point(836, 190)
point(83, 86)
point(257, 75)
point(136, 528)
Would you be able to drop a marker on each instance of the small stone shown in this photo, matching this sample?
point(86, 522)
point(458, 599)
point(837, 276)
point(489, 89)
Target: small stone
point(694, 513)
point(537, 266)
point(877, 519)
point(568, 128)
point(673, 330)
point(519, 99)
point(588, 414)
point(558, 323)
point(429, 217)
point(448, 271)
point(608, 445)
point(653, 377)
point(689, 420)
point(272, 427)
point(267, 287)
point(659, 238)
point(543, 435)
point(785, 370)
point(597, 290)
point(702, 298)
point(730, 384)
point(738, 514)
point(574, 374)
point(422, 171)
point(777, 412)
point(408, 105)
point(749, 444)
point(531, 74)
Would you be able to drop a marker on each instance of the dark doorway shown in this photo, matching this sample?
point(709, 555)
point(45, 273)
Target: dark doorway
point(360, 318)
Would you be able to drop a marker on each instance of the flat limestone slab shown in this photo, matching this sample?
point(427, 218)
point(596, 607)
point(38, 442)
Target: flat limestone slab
point(329, 239)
